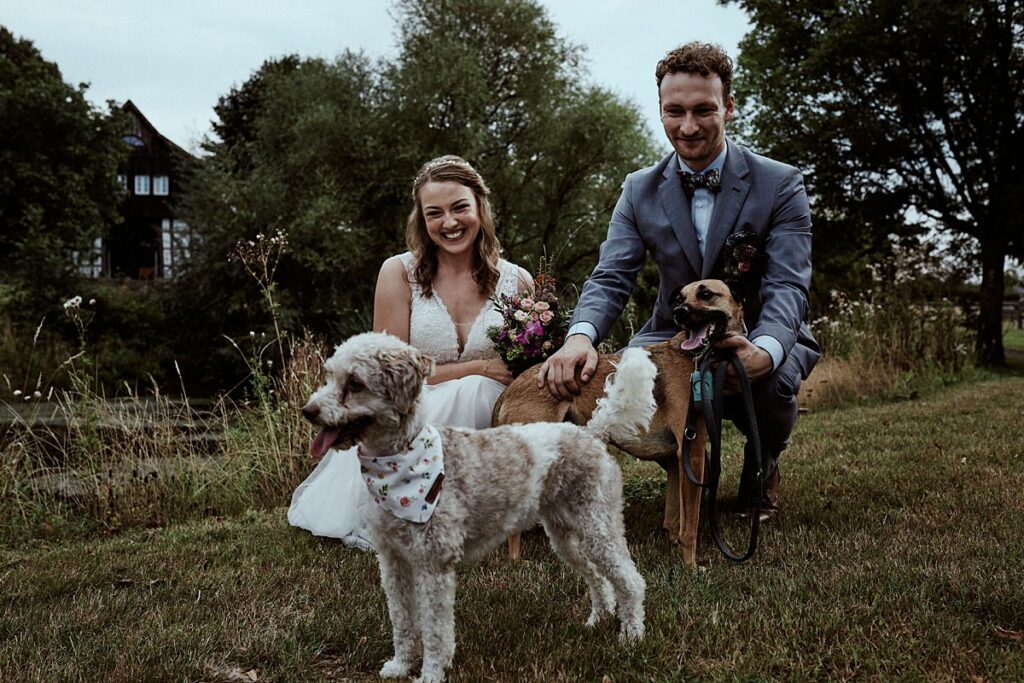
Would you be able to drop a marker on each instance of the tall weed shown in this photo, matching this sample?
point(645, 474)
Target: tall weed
point(85, 461)
point(905, 333)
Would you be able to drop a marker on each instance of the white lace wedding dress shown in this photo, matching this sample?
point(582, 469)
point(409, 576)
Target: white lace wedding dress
point(329, 502)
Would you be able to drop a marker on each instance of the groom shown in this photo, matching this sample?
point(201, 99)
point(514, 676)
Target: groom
point(682, 211)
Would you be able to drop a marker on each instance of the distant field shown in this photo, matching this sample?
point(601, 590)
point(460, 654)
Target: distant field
point(1013, 338)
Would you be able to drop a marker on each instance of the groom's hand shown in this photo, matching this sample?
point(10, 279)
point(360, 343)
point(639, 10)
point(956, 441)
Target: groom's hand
point(559, 371)
point(756, 361)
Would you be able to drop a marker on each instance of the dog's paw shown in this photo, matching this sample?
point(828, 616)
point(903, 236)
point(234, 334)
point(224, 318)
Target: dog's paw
point(429, 678)
point(395, 668)
point(631, 634)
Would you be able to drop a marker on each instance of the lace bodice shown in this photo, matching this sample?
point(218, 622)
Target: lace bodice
point(432, 330)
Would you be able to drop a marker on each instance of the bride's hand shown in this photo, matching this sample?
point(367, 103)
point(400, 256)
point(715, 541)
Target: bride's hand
point(496, 369)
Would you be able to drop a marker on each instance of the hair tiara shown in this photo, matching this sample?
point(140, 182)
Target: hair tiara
point(447, 161)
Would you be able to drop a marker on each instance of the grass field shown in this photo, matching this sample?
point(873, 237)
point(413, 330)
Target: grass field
point(1013, 338)
point(898, 555)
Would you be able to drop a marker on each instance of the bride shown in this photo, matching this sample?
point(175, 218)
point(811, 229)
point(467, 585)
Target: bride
point(436, 296)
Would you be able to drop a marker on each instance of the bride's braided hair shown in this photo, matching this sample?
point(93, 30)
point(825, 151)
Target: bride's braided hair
point(455, 169)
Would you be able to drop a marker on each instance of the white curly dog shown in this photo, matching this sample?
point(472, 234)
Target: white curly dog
point(496, 482)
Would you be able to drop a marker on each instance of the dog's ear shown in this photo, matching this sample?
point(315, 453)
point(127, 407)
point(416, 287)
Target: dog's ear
point(674, 297)
point(426, 365)
point(403, 378)
point(736, 289)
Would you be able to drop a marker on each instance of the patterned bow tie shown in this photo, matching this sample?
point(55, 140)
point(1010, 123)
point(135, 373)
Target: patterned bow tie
point(712, 180)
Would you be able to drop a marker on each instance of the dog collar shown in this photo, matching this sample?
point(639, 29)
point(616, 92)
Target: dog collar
point(408, 483)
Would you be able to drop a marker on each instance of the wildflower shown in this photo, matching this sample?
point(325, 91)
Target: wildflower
point(270, 363)
point(252, 333)
point(73, 302)
point(92, 302)
point(37, 394)
point(17, 392)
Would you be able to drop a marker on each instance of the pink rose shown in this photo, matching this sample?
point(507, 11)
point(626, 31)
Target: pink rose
point(546, 316)
point(541, 306)
point(526, 304)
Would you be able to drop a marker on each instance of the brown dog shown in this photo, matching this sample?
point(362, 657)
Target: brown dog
point(706, 312)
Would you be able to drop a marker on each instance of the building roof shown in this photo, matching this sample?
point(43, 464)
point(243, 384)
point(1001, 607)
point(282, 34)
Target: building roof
point(131, 108)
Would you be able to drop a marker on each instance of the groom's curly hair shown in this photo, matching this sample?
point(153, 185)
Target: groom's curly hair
point(700, 58)
point(450, 168)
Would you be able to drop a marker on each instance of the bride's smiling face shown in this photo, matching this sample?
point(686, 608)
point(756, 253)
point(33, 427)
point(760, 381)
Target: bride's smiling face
point(451, 215)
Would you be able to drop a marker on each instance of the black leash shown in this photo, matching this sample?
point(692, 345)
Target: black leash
point(707, 399)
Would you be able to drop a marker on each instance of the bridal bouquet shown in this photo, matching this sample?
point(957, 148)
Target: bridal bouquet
point(534, 326)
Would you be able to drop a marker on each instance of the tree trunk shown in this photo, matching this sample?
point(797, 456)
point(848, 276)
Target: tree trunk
point(989, 344)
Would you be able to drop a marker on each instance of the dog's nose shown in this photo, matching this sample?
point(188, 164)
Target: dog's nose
point(680, 312)
point(311, 412)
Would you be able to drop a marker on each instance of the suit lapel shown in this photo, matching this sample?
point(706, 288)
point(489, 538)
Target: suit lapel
point(727, 206)
point(677, 207)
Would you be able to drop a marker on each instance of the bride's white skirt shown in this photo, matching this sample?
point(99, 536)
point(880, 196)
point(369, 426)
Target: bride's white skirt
point(330, 501)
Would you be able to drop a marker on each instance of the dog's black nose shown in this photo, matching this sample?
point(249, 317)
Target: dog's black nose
point(680, 313)
point(311, 412)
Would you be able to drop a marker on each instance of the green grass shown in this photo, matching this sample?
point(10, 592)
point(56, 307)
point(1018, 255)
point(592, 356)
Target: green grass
point(897, 556)
point(1013, 338)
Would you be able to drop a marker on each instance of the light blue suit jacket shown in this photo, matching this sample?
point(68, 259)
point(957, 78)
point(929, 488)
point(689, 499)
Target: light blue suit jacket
point(653, 216)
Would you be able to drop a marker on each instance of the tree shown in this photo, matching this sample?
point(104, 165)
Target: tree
point(906, 114)
point(327, 151)
point(58, 175)
point(493, 81)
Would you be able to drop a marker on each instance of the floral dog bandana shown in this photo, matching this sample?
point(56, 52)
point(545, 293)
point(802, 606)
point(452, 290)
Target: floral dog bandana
point(408, 483)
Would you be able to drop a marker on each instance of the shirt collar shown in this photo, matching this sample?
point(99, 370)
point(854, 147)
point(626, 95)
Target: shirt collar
point(718, 163)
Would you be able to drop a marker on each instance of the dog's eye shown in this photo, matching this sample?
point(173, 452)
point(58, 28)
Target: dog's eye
point(354, 386)
point(705, 295)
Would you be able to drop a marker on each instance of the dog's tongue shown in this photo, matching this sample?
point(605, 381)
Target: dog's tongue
point(693, 341)
point(323, 442)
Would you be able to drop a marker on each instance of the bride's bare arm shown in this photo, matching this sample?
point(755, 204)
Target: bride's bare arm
point(494, 368)
point(391, 300)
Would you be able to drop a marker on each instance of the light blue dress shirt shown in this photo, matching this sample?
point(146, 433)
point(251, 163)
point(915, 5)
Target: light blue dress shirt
point(702, 207)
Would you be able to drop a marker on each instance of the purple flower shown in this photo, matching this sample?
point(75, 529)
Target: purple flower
point(535, 328)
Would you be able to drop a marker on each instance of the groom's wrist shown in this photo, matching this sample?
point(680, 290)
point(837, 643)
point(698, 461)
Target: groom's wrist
point(584, 328)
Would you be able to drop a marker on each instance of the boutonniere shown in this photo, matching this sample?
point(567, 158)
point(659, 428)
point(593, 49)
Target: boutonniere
point(746, 257)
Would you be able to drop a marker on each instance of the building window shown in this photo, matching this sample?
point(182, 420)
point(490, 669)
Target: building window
point(90, 263)
point(161, 185)
point(174, 242)
point(142, 184)
point(122, 180)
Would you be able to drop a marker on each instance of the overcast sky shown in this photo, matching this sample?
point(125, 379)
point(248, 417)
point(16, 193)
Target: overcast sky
point(174, 59)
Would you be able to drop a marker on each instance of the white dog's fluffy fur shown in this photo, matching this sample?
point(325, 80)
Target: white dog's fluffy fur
point(497, 482)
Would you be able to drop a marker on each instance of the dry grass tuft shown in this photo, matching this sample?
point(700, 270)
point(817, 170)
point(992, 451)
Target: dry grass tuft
point(836, 381)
